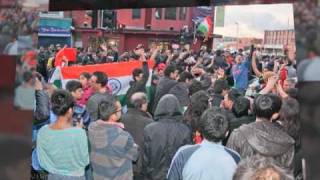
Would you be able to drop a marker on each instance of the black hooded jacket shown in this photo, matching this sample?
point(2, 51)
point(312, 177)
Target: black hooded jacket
point(163, 138)
point(138, 86)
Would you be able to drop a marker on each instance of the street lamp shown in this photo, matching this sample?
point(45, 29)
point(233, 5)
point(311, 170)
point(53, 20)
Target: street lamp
point(237, 24)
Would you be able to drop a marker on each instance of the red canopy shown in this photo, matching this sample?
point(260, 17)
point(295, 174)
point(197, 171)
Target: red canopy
point(69, 53)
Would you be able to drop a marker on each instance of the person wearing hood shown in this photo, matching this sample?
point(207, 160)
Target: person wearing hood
point(165, 84)
point(163, 138)
point(140, 78)
point(262, 137)
point(181, 90)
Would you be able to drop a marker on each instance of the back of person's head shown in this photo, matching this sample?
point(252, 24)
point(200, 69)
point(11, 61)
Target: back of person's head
point(185, 76)
point(61, 102)
point(102, 78)
point(214, 124)
point(107, 108)
point(168, 107)
point(241, 107)
point(136, 72)
point(218, 52)
point(266, 105)
point(220, 85)
point(260, 168)
point(199, 102)
point(27, 76)
point(195, 86)
point(86, 75)
point(73, 85)
point(169, 69)
point(138, 100)
point(289, 116)
point(234, 94)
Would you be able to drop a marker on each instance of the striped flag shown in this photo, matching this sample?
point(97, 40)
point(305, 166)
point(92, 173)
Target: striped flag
point(119, 75)
point(205, 26)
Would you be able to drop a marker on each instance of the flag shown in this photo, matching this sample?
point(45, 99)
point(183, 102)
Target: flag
point(69, 53)
point(219, 17)
point(119, 75)
point(205, 27)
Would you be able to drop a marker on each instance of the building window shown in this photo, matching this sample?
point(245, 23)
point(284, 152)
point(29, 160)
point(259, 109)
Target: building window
point(158, 13)
point(182, 13)
point(136, 13)
point(170, 13)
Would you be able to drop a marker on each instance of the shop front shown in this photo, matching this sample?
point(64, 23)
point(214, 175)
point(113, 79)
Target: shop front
point(54, 31)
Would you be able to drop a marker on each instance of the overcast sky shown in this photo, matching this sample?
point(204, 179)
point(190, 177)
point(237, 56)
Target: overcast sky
point(254, 19)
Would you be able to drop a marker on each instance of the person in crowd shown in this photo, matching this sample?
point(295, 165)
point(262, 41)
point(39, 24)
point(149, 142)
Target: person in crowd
point(165, 84)
point(230, 98)
point(62, 149)
point(240, 110)
point(199, 102)
point(160, 69)
point(240, 72)
point(24, 94)
point(12, 47)
point(135, 120)
point(219, 60)
point(289, 84)
point(257, 168)
point(262, 136)
point(99, 82)
point(289, 121)
point(219, 90)
point(181, 89)
point(163, 138)
point(79, 111)
point(112, 148)
point(210, 159)
point(308, 68)
point(136, 53)
point(240, 115)
point(140, 78)
point(195, 86)
point(153, 87)
point(86, 88)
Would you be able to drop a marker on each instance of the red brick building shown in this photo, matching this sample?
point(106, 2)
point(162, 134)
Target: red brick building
point(277, 39)
point(241, 43)
point(146, 26)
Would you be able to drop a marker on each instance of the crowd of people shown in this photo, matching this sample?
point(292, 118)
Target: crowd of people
point(209, 114)
point(17, 23)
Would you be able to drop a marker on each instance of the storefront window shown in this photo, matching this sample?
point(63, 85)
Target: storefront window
point(182, 13)
point(170, 13)
point(158, 13)
point(136, 13)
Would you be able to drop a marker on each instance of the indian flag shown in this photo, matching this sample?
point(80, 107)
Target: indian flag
point(206, 26)
point(119, 75)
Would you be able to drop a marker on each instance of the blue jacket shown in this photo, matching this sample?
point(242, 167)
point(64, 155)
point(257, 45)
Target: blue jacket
point(205, 161)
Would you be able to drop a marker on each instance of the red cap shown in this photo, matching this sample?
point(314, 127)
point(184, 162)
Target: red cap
point(161, 66)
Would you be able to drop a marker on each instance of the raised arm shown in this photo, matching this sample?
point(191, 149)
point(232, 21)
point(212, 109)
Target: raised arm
point(270, 85)
point(254, 65)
